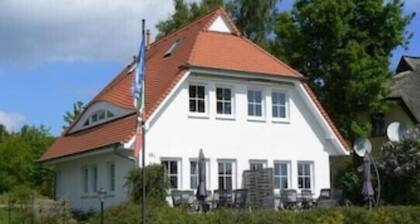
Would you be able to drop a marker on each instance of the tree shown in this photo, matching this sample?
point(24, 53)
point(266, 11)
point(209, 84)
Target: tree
point(19, 153)
point(3, 132)
point(344, 49)
point(400, 169)
point(71, 115)
point(253, 18)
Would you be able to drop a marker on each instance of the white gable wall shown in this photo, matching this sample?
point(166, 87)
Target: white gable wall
point(175, 134)
point(220, 25)
point(70, 180)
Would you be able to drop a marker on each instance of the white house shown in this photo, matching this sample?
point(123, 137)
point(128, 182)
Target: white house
point(207, 87)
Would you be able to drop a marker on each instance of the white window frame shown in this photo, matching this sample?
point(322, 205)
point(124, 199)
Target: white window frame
point(204, 114)
point(311, 175)
point(258, 161)
point(232, 102)
point(208, 179)
point(233, 175)
point(112, 175)
point(289, 173)
point(263, 103)
point(179, 171)
point(286, 119)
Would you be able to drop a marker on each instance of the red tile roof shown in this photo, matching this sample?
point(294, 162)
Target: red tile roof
point(197, 47)
point(117, 131)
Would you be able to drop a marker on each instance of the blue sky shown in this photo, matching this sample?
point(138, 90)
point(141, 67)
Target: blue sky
point(54, 53)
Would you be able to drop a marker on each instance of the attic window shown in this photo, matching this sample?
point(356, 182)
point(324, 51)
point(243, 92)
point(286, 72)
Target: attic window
point(98, 116)
point(172, 48)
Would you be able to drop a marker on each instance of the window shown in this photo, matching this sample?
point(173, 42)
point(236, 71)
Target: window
point(225, 175)
point(85, 175)
point(111, 176)
point(172, 48)
point(193, 174)
point(197, 99)
point(94, 179)
point(171, 169)
point(279, 106)
point(255, 103)
point(224, 101)
point(281, 175)
point(305, 175)
point(378, 125)
point(257, 164)
point(97, 116)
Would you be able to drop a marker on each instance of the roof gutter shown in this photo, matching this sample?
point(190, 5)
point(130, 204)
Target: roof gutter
point(118, 152)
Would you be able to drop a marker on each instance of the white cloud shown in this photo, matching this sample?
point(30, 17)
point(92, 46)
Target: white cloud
point(36, 32)
point(12, 121)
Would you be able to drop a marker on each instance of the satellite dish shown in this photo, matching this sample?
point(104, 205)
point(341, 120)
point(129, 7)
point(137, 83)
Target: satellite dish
point(396, 131)
point(362, 146)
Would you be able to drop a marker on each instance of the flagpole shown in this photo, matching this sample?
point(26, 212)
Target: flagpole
point(143, 207)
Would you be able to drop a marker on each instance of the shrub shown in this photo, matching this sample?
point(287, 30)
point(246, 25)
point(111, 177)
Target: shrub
point(399, 163)
point(130, 213)
point(156, 184)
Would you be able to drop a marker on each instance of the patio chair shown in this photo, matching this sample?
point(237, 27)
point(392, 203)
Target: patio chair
point(288, 198)
point(326, 199)
point(307, 198)
point(176, 198)
point(240, 198)
point(222, 198)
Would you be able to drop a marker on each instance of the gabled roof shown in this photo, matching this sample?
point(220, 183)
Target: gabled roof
point(406, 85)
point(118, 131)
point(197, 47)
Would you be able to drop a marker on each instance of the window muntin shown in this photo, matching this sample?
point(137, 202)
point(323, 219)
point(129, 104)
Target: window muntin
point(305, 175)
point(255, 103)
point(279, 105)
point(171, 169)
point(197, 101)
point(225, 169)
point(224, 101)
point(111, 176)
point(281, 175)
point(193, 174)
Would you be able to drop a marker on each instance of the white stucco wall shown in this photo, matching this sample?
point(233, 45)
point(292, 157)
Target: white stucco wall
point(175, 134)
point(70, 181)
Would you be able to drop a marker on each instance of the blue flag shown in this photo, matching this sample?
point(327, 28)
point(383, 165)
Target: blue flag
point(138, 85)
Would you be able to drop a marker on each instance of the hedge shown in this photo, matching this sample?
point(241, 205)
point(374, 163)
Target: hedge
point(129, 213)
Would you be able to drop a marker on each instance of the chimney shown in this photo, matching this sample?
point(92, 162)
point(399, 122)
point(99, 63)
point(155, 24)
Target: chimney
point(147, 38)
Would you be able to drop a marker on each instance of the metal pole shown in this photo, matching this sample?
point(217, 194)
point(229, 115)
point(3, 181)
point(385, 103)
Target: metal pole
point(143, 162)
point(378, 194)
point(102, 212)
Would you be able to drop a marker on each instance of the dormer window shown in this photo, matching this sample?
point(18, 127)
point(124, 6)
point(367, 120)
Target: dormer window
point(172, 48)
point(98, 116)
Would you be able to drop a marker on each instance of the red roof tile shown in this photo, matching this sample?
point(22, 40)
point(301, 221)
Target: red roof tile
point(197, 47)
point(117, 131)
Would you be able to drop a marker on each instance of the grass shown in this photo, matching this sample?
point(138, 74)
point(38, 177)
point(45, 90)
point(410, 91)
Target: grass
point(4, 216)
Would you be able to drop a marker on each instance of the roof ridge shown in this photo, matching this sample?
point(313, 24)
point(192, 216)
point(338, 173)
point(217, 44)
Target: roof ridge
point(187, 25)
point(94, 99)
point(270, 55)
point(222, 12)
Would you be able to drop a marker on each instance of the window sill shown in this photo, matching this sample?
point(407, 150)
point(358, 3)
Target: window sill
point(223, 117)
point(256, 119)
point(198, 115)
point(281, 121)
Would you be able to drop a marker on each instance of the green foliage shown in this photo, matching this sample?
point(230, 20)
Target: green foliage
point(71, 115)
point(156, 184)
point(19, 153)
point(254, 18)
point(129, 213)
point(399, 163)
point(351, 184)
point(343, 48)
